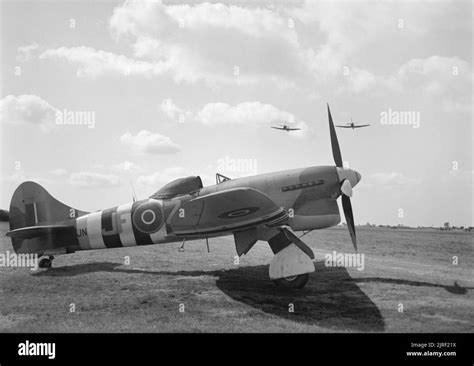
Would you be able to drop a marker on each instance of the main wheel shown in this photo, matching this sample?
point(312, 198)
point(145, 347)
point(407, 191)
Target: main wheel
point(45, 263)
point(298, 281)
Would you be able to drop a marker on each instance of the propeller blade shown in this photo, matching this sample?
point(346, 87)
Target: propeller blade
point(346, 188)
point(346, 205)
point(336, 152)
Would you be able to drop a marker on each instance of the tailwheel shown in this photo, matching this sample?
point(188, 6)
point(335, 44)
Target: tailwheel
point(46, 262)
point(298, 281)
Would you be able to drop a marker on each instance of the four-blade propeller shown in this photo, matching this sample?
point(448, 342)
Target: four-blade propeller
point(346, 186)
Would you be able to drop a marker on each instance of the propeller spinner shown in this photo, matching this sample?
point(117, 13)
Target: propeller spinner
point(348, 178)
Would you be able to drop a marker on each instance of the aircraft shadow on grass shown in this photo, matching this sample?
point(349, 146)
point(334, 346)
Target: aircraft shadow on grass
point(331, 299)
point(454, 289)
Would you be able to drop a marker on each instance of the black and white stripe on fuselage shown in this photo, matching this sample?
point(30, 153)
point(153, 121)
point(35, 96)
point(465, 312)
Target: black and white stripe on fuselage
point(131, 224)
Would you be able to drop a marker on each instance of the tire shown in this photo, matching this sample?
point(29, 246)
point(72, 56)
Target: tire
point(45, 263)
point(294, 282)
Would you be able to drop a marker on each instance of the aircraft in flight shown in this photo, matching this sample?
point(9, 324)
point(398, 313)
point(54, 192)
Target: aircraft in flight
point(285, 128)
point(269, 207)
point(352, 125)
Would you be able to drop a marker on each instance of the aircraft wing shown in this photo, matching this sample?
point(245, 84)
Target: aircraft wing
point(36, 231)
point(293, 129)
point(225, 211)
point(344, 126)
point(277, 128)
point(359, 126)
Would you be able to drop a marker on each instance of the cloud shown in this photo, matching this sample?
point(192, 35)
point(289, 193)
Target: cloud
point(300, 45)
point(147, 142)
point(203, 42)
point(435, 76)
point(391, 179)
point(93, 180)
point(20, 176)
point(158, 179)
point(247, 113)
point(28, 109)
point(59, 172)
point(126, 166)
point(170, 109)
point(361, 80)
point(24, 53)
point(449, 78)
point(93, 63)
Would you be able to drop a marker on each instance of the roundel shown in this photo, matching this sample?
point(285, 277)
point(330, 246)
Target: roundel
point(244, 211)
point(148, 217)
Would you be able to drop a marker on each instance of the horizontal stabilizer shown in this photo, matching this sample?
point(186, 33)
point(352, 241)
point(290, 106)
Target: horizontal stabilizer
point(36, 231)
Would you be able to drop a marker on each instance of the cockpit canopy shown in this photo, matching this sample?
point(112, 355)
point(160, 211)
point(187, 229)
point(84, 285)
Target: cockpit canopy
point(179, 187)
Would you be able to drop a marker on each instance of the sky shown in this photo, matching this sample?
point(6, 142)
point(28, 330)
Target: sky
point(97, 96)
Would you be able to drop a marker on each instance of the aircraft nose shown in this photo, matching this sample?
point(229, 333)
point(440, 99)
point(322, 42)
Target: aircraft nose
point(358, 176)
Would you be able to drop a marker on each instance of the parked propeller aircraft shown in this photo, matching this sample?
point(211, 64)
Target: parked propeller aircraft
point(268, 207)
point(352, 125)
point(285, 128)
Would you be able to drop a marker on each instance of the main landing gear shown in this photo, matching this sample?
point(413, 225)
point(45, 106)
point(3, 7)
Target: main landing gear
point(290, 268)
point(298, 281)
point(46, 262)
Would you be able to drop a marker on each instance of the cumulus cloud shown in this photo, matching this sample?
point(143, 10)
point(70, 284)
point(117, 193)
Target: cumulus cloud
point(391, 179)
point(93, 180)
point(93, 63)
point(28, 109)
point(170, 109)
point(126, 166)
point(147, 142)
point(59, 172)
point(190, 43)
point(158, 179)
point(20, 176)
point(243, 113)
point(24, 53)
point(448, 77)
point(247, 113)
point(299, 45)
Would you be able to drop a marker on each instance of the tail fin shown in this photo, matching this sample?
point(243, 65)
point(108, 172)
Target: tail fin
point(33, 206)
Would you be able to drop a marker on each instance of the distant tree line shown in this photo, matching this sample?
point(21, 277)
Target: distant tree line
point(4, 215)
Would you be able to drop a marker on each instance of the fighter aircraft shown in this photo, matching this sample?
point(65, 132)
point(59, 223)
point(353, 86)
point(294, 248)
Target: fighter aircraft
point(269, 207)
point(352, 125)
point(285, 128)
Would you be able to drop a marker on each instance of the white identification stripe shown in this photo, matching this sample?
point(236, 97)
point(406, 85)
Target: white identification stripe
point(160, 234)
point(81, 230)
point(94, 230)
point(124, 223)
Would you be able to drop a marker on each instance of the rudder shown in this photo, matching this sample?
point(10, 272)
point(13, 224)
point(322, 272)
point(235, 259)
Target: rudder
point(32, 205)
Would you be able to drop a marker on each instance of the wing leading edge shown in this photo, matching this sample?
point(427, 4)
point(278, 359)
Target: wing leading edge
point(226, 211)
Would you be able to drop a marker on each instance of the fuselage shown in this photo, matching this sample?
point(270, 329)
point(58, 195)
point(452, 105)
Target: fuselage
point(307, 194)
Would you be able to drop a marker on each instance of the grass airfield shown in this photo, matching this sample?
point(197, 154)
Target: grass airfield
point(163, 290)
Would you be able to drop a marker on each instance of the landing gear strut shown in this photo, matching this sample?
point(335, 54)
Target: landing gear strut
point(297, 281)
point(46, 262)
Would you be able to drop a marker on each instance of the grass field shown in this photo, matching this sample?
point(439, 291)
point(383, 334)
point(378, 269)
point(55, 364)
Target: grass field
point(409, 267)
